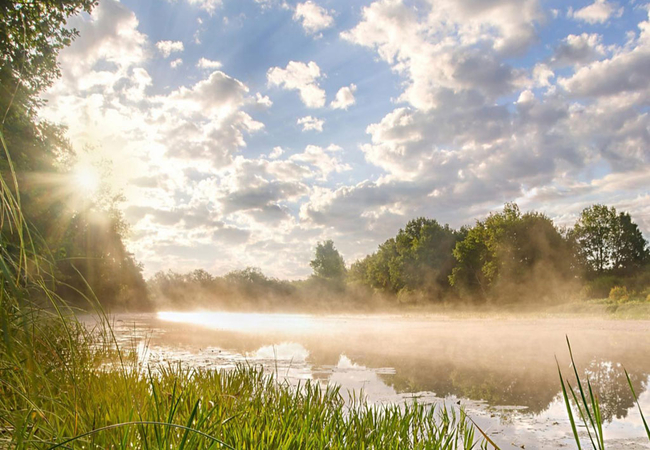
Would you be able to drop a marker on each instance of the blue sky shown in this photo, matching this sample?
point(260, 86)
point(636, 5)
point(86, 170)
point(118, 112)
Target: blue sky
point(243, 132)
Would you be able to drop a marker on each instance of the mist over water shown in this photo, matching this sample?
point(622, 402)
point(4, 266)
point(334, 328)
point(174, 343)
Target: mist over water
point(502, 369)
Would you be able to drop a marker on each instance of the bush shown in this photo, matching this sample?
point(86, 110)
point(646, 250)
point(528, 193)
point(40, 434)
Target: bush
point(601, 287)
point(619, 294)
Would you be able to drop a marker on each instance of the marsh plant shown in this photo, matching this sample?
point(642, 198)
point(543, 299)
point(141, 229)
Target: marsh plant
point(583, 407)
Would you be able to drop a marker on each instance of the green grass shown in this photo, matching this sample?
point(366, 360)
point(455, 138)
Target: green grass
point(175, 407)
point(605, 308)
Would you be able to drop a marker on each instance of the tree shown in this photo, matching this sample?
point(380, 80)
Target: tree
point(609, 242)
point(86, 241)
point(31, 36)
point(511, 254)
point(328, 262)
point(425, 254)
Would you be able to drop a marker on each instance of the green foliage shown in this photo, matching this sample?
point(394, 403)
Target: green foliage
point(328, 262)
point(418, 259)
point(508, 253)
point(140, 407)
point(375, 270)
point(619, 294)
point(600, 287)
point(609, 242)
point(31, 35)
point(84, 242)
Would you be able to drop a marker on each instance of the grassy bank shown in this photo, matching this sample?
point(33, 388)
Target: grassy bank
point(604, 308)
point(71, 392)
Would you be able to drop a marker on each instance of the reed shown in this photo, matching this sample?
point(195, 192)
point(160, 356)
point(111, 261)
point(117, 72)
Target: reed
point(581, 397)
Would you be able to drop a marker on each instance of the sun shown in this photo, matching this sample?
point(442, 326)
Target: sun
point(86, 178)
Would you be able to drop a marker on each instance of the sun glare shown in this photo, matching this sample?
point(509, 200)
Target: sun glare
point(86, 179)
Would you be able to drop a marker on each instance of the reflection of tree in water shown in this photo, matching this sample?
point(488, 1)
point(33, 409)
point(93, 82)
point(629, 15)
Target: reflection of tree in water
point(532, 389)
point(610, 385)
point(509, 369)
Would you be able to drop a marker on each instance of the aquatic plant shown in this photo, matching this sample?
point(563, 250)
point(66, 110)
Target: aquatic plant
point(588, 407)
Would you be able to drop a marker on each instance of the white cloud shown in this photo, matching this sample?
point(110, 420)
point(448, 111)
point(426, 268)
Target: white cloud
point(176, 63)
point(301, 77)
point(186, 141)
point(578, 50)
point(344, 97)
point(311, 123)
point(325, 160)
point(542, 75)
point(600, 11)
point(205, 63)
point(276, 153)
point(453, 45)
point(209, 6)
point(112, 36)
point(166, 48)
point(625, 77)
point(263, 100)
point(314, 18)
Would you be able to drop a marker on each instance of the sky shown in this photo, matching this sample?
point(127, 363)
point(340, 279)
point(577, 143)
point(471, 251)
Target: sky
point(243, 132)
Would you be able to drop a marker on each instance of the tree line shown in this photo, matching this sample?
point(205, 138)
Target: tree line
point(508, 257)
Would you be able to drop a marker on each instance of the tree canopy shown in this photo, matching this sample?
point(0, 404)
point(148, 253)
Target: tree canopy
point(328, 262)
point(84, 239)
point(508, 251)
point(608, 241)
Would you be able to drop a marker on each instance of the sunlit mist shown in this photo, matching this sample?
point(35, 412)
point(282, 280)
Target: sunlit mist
point(247, 322)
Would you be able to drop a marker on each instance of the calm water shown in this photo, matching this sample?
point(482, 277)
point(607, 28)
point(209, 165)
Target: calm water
point(502, 370)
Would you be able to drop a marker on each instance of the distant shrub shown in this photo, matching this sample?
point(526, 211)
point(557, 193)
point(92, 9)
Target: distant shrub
point(411, 297)
point(619, 294)
point(600, 287)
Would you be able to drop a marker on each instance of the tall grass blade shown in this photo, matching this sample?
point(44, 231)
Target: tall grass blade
point(128, 424)
point(568, 407)
point(636, 400)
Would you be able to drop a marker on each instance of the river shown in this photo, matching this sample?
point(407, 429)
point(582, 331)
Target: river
point(502, 370)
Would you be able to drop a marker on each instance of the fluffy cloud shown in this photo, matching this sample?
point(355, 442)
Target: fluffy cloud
point(276, 152)
point(176, 63)
point(323, 160)
point(314, 18)
point(344, 97)
point(301, 77)
point(578, 49)
point(600, 11)
point(458, 61)
point(209, 6)
point(311, 123)
point(205, 63)
point(166, 48)
point(625, 75)
point(111, 35)
point(177, 151)
point(458, 148)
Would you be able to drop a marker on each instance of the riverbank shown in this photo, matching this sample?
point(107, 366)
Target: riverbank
point(71, 400)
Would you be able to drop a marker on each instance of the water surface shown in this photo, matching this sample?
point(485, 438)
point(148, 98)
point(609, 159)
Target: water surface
point(502, 370)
